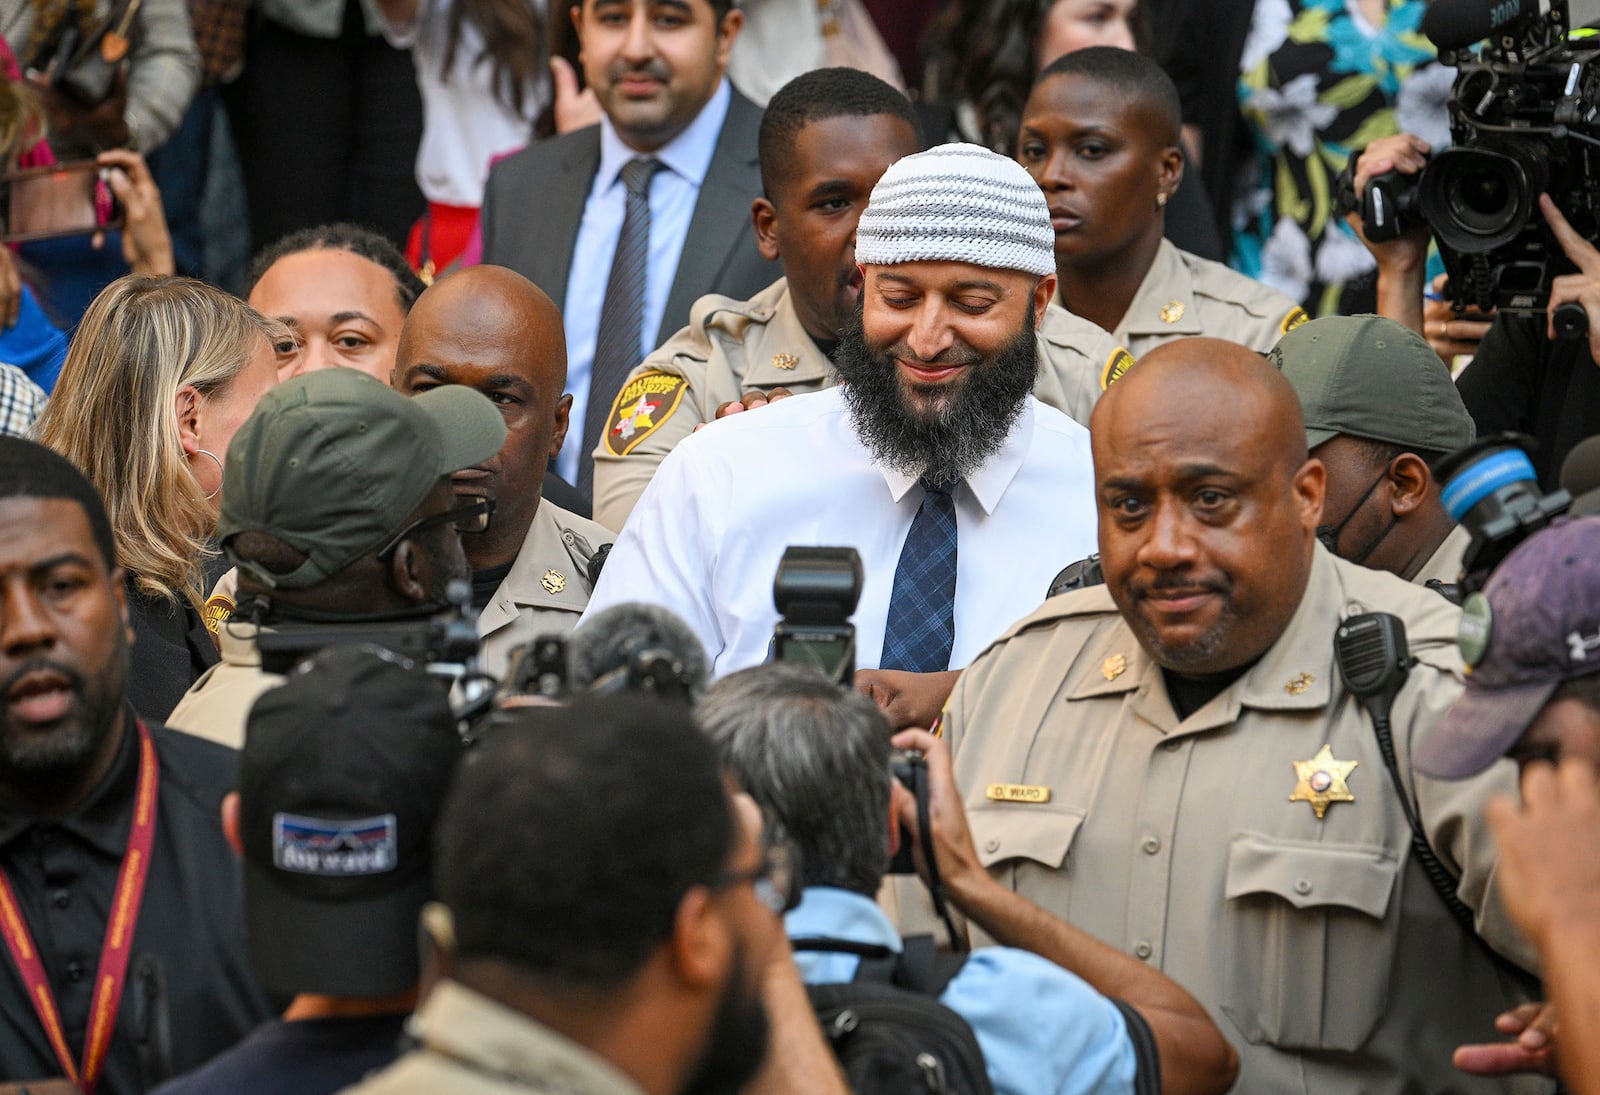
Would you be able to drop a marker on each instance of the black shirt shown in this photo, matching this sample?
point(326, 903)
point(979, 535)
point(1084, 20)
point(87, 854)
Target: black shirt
point(1520, 380)
point(485, 582)
point(190, 933)
point(171, 649)
point(304, 1057)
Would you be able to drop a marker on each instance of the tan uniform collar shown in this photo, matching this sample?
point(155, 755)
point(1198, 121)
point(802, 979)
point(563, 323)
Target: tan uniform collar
point(548, 560)
point(236, 641)
point(1293, 675)
point(783, 353)
point(1164, 304)
point(481, 1034)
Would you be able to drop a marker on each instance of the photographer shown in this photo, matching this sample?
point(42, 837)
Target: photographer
point(816, 758)
point(1521, 376)
point(1534, 695)
point(327, 527)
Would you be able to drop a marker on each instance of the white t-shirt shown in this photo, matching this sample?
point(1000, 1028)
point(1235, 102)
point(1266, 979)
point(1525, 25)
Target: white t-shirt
point(706, 537)
point(464, 125)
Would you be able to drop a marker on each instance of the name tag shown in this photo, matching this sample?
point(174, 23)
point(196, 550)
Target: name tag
point(1017, 792)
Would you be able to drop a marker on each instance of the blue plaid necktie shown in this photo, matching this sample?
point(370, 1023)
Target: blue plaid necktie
point(616, 349)
point(921, 630)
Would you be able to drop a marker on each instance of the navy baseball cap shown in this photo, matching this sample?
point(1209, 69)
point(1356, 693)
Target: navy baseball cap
point(1535, 625)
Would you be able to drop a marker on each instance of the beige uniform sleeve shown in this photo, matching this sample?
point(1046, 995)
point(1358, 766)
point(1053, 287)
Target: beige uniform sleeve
point(625, 460)
point(1077, 362)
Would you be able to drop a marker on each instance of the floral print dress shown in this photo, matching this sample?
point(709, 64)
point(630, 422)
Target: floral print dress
point(1317, 83)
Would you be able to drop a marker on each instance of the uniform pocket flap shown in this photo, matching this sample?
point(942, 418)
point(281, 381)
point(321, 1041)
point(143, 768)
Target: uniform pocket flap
point(1356, 876)
point(1023, 832)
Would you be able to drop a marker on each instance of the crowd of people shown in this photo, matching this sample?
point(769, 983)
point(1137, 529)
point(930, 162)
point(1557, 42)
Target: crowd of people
point(411, 681)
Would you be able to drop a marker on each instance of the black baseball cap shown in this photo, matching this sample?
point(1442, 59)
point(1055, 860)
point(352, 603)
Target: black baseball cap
point(343, 771)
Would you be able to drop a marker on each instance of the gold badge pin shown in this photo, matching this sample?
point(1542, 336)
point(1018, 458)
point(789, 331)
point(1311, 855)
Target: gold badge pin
point(1172, 311)
point(553, 581)
point(784, 361)
point(1322, 781)
point(1017, 792)
point(1113, 667)
point(1298, 684)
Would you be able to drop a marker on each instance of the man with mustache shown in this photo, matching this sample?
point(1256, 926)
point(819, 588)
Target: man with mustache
point(492, 330)
point(961, 491)
point(1174, 763)
point(118, 897)
point(627, 223)
point(827, 137)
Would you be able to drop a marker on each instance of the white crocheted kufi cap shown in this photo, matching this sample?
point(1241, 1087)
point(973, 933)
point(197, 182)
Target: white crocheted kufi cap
point(958, 203)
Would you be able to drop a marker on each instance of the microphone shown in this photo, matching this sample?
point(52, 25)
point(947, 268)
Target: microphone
point(637, 648)
point(1580, 477)
point(1457, 24)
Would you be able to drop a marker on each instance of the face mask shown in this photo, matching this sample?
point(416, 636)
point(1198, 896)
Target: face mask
point(1329, 534)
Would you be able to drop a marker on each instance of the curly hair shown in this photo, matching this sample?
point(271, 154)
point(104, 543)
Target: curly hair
point(343, 237)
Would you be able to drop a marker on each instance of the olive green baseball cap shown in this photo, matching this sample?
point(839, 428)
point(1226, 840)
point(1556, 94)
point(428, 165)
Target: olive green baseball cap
point(332, 463)
point(1371, 377)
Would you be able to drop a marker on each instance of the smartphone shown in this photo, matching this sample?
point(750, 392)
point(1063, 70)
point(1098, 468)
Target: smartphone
point(69, 199)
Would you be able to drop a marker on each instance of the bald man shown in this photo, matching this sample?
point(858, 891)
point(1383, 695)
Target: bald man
point(493, 330)
point(1173, 763)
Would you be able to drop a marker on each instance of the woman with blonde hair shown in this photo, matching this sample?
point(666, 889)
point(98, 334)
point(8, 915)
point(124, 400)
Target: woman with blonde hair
point(159, 376)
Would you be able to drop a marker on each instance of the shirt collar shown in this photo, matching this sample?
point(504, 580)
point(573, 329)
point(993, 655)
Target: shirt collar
point(989, 482)
point(826, 912)
point(104, 818)
point(1164, 304)
point(687, 155)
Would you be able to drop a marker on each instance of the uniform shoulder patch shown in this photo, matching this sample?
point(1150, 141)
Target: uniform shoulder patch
point(1117, 364)
point(218, 607)
point(643, 404)
point(1296, 316)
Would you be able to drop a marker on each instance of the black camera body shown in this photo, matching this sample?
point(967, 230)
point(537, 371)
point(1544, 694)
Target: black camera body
point(1525, 120)
point(1490, 489)
point(816, 591)
point(910, 769)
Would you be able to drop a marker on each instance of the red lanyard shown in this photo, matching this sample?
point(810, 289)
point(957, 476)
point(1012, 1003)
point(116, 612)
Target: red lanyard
point(114, 952)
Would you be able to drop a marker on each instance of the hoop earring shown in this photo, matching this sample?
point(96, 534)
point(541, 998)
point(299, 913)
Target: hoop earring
point(218, 463)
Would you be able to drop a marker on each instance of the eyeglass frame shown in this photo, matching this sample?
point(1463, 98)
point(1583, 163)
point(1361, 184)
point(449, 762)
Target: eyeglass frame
point(482, 506)
point(776, 879)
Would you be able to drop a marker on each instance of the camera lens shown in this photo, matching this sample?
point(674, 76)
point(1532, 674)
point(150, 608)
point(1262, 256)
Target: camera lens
point(1477, 199)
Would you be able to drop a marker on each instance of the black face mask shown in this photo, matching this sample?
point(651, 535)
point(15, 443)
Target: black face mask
point(1329, 534)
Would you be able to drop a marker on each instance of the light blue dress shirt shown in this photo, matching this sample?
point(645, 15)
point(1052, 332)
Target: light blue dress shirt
point(1042, 1029)
point(674, 190)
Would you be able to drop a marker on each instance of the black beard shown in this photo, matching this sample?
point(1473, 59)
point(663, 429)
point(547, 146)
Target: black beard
point(960, 434)
point(61, 755)
point(737, 1045)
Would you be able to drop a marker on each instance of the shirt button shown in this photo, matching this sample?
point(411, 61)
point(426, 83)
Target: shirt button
point(1151, 845)
point(62, 898)
point(1303, 886)
point(75, 970)
point(1143, 949)
point(991, 845)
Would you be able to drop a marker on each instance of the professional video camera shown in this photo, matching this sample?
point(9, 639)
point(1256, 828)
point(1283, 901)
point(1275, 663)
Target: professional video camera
point(1491, 490)
point(1525, 120)
point(629, 647)
point(444, 640)
point(816, 590)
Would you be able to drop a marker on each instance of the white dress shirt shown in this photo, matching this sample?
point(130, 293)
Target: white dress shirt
point(674, 190)
point(706, 537)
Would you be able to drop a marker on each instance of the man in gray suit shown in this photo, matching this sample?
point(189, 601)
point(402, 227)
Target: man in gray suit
point(626, 224)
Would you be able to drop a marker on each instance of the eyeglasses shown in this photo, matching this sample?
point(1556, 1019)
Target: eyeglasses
point(776, 880)
point(472, 517)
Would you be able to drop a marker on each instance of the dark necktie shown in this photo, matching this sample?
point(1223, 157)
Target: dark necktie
point(616, 348)
point(921, 630)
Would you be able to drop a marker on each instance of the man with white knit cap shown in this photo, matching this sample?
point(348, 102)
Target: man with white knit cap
point(962, 492)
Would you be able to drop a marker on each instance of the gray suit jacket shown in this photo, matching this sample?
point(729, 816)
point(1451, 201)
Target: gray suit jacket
point(534, 203)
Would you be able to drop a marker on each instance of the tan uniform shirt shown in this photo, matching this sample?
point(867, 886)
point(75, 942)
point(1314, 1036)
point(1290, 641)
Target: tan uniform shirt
point(1316, 943)
point(218, 703)
point(547, 588)
point(1184, 295)
point(472, 1045)
point(1445, 563)
point(732, 346)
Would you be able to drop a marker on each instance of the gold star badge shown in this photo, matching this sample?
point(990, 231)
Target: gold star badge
point(1322, 781)
point(784, 361)
point(1298, 684)
point(1172, 311)
point(1113, 667)
point(553, 581)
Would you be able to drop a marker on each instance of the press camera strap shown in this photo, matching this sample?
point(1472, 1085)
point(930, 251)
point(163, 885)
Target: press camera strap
point(114, 952)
